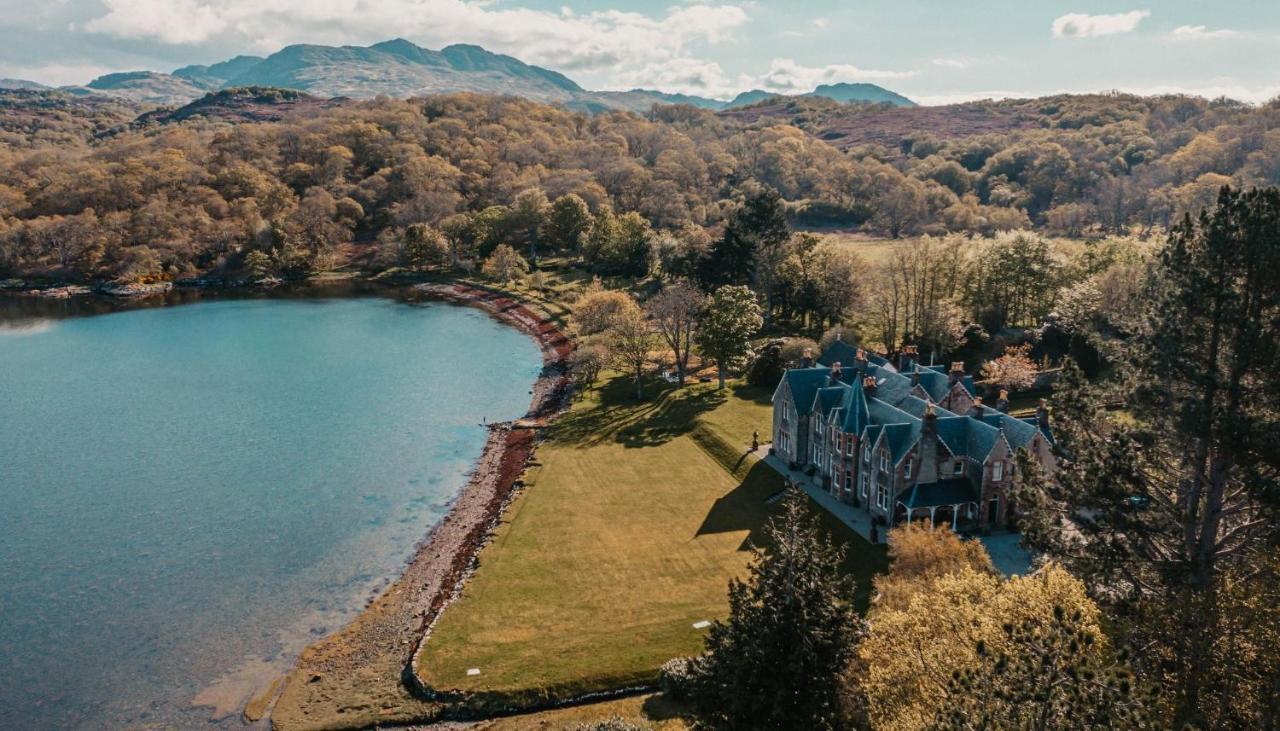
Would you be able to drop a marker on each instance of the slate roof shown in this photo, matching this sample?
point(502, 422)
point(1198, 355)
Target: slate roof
point(895, 410)
point(846, 354)
point(953, 491)
point(804, 384)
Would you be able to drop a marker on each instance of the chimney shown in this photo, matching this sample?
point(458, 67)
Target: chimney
point(835, 372)
point(976, 410)
point(928, 446)
point(957, 373)
point(860, 361)
point(1042, 413)
point(1002, 405)
point(869, 386)
point(907, 358)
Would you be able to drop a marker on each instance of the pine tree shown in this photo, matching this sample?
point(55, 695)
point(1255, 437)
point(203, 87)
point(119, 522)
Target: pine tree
point(1160, 514)
point(754, 231)
point(792, 630)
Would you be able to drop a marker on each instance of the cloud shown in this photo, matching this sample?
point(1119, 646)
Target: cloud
point(708, 78)
point(787, 76)
point(952, 63)
point(1079, 25)
point(1199, 33)
point(562, 39)
point(54, 74)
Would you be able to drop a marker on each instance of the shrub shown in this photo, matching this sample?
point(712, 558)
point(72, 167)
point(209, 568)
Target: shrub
point(676, 676)
point(614, 723)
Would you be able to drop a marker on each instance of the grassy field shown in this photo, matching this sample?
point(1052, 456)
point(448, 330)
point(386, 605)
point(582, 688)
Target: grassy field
point(648, 711)
point(629, 530)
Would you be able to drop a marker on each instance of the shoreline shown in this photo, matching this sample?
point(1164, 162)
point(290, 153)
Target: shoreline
point(362, 674)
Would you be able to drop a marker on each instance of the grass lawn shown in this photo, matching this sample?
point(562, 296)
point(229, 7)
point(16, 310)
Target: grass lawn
point(627, 534)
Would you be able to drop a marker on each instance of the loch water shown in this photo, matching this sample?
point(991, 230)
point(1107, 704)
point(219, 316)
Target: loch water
point(190, 494)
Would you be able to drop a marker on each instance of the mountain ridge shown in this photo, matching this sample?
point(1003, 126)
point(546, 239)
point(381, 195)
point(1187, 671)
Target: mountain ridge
point(400, 68)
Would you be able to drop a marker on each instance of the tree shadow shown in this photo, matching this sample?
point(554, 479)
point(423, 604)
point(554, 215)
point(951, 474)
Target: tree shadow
point(617, 416)
point(658, 707)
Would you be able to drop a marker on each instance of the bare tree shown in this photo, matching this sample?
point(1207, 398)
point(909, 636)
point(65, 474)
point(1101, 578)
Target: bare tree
point(676, 312)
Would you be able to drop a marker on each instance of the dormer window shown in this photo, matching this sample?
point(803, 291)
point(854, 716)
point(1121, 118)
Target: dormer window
point(958, 467)
point(997, 471)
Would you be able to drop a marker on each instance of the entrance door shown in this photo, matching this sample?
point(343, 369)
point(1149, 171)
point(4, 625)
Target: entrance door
point(993, 510)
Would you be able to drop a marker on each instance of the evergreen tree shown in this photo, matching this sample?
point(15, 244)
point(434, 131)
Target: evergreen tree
point(791, 631)
point(1163, 515)
point(751, 249)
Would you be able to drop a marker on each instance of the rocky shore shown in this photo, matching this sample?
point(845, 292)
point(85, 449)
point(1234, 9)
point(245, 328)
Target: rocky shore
point(362, 675)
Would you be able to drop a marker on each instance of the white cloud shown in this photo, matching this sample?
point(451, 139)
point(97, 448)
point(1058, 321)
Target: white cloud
point(1199, 33)
point(787, 76)
point(708, 78)
point(1079, 25)
point(565, 40)
point(952, 63)
point(1212, 90)
point(54, 74)
point(819, 23)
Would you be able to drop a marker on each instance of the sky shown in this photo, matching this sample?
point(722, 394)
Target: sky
point(934, 51)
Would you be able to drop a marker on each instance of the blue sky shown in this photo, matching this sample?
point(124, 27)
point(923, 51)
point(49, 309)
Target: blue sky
point(932, 50)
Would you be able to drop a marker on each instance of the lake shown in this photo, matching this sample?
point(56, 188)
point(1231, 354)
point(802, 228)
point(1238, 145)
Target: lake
point(190, 494)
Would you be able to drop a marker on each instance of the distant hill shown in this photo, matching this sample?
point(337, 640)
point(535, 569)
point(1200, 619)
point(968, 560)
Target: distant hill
point(218, 74)
point(399, 68)
point(245, 104)
point(22, 84)
point(843, 93)
point(147, 87)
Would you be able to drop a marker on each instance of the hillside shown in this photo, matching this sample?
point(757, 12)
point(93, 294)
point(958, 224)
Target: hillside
point(844, 93)
point(147, 87)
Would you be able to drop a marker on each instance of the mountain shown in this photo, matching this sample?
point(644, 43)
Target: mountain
point(400, 68)
point(147, 87)
point(218, 74)
point(867, 93)
point(22, 84)
point(842, 92)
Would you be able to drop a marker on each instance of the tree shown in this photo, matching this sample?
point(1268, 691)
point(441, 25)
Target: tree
point(1013, 370)
point(792, 628)
point(756, 234)
point(258, 264)
point(732, 317)
point(585, 364)
point(1046, 677)
point(1013, 282)
point(528, 212)
point(424, 246)
point(630, 341)
point(920, 555)
point(676, 312)
point(505, 265)
point(1170, 517)
point(567, 224)
point(912, 654)
point(598, 307)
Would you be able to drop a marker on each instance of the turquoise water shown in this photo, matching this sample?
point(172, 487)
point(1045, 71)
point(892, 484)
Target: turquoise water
point(189, 494)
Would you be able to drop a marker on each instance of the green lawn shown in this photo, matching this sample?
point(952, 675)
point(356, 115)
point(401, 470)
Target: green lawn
point(628, 532)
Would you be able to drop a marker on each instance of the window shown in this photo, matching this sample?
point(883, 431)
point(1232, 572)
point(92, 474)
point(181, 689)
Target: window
point(884, 462)
point(907, 467)
point(848, 483)
point(883, 497)
point(997, 471)
point(959, 467)
point(866, 454)
point(864, 486)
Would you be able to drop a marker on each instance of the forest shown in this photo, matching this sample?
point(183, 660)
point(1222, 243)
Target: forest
point(93, 191)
